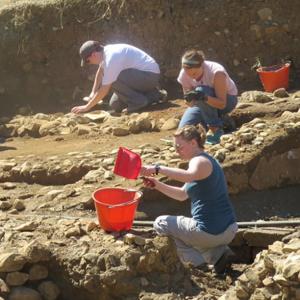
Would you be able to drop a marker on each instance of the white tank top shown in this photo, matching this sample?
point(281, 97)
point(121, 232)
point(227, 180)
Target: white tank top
point(210, 69)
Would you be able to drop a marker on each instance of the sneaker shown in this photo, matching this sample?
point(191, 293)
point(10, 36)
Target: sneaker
point(214, 138)
point(224, 261)
point(163, 95)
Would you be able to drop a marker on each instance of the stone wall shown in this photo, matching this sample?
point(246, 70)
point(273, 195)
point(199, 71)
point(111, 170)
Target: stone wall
point(40, 40)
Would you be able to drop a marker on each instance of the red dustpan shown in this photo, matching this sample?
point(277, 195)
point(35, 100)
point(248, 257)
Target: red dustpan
point(128, 164)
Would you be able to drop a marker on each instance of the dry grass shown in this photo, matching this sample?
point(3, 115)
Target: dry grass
point(4, 3)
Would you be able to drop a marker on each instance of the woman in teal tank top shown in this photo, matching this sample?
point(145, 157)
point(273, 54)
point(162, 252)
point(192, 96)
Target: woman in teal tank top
point(204, 237)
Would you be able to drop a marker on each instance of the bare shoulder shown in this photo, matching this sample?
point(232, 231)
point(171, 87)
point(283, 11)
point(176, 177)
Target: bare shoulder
point(201, 166)
point(200, 160)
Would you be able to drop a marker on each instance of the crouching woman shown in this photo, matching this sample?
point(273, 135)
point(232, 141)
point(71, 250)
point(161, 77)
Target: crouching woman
point(216, 93)
point(202, 238)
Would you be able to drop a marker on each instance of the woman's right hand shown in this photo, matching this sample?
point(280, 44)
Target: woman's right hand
point(147, 170)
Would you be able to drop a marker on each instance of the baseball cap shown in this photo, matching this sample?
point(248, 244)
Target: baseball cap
point(87, 48)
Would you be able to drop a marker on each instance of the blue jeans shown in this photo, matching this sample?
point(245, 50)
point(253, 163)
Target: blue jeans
point(206, 114)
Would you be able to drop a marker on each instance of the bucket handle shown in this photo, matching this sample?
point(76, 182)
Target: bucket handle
point(122, 204)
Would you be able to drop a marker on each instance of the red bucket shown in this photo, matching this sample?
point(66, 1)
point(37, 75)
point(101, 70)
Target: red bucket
point(128, 164)
point(274, 77)
point(116, 207)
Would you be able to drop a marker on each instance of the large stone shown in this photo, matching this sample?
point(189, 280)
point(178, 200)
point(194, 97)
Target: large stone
point(291, 266)
point(49, 290)
point(36, 252)
point(11, 262)
point(3, 287)
point(255, 96)
point(38, 272)
point(16, 278)
point(120, 131)
point(24, 293)
point(264, 236)
point(170, 124)
point(49, 128)
point(98, 116)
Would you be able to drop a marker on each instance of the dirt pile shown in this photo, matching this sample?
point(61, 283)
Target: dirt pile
point(86, 263)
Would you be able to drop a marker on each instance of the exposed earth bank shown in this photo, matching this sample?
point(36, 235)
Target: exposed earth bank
point(40, 67)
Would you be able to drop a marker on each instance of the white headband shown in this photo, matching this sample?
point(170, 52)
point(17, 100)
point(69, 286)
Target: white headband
point(186, 61)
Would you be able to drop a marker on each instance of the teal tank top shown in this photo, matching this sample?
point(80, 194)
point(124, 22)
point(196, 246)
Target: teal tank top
point(210, 203)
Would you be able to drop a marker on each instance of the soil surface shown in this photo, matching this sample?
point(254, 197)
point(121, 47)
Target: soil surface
point(58, 210)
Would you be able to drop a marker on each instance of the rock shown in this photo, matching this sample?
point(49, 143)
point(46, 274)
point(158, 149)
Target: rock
point(134, 126)
point(93, 176)
point(220, 155)
point(144, 122)
point(3, 287)
point(5, 205)
point(36, 252)
point(281, 93)
point(38, 272)
point(29, 226)
point(7, 165)
point(273, 275)
point(292, 246)
point(49, 128)
point(16, 278)
point(53, 194)
point(74, 231)
point(8, 186)
point(49, 290)
point(97, 116)
point(120, 131)
point(19, 205)
point(130, 238)
point(91, 226)
point(255, 96)
point(291, 266)
point(24, 293)
point(170, 124)
point(11, 262)
point(82, 129)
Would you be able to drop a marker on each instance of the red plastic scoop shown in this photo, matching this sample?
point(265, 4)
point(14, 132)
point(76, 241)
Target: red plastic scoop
point(128, 164)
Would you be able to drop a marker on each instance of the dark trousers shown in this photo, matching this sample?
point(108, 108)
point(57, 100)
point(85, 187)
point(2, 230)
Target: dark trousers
point(134, 90)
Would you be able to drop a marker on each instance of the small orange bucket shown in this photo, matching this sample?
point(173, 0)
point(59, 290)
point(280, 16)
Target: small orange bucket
point(274, 77)
point(116, 207)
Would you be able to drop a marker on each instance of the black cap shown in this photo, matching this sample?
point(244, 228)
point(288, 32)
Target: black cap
point(87, 49)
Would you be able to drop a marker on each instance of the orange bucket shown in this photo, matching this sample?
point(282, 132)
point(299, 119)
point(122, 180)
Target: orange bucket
point(116, 207)
point(274, 77)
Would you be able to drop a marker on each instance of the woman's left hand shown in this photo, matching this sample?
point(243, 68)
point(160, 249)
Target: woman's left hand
point(149, 182)
point(147, 170)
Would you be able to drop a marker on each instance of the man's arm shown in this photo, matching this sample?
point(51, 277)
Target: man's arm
point(100, 94)
point(97, 81)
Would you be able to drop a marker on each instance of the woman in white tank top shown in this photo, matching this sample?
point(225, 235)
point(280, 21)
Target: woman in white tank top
point(209, 92)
